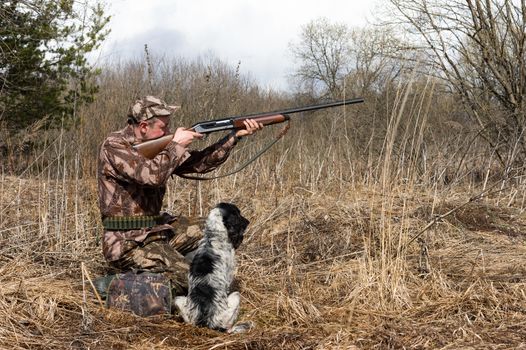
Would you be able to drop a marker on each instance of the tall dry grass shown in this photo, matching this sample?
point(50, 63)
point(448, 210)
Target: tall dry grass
point(329, 259)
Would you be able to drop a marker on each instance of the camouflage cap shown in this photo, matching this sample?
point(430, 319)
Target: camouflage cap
point(149, 107)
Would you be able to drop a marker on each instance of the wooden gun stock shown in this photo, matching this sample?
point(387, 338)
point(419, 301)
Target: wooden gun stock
point(265, 120)
point(151, 148)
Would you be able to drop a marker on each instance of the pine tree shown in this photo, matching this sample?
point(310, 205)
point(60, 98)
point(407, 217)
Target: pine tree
point(44, 72)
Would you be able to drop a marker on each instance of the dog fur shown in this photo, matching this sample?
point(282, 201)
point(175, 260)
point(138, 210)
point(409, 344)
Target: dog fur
point(209, 302)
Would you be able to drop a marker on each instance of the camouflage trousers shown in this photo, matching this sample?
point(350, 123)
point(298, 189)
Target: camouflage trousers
point(166, 256)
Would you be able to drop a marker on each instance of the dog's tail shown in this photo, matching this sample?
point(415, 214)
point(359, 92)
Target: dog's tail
point(202, 296)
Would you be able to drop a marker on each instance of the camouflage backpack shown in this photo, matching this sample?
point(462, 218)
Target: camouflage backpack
point(144, 294)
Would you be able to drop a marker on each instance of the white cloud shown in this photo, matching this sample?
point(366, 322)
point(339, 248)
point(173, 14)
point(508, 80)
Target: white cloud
point(257, 33)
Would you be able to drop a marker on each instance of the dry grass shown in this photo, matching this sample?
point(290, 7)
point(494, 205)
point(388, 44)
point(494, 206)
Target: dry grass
point(318, 270)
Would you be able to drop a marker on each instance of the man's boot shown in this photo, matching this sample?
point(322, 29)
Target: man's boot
point(102, 284)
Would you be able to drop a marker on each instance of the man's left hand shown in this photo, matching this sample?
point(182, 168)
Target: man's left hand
point(251, 127)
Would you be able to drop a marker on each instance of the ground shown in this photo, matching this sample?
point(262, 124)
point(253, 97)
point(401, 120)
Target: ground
point(332, 269)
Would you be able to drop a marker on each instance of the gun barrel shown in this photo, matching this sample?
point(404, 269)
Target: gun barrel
point(306, 108)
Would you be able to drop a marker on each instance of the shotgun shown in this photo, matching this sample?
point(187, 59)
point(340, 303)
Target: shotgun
point(151, 148)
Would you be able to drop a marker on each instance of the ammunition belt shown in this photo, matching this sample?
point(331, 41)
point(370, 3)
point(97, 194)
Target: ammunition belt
point(124, 223)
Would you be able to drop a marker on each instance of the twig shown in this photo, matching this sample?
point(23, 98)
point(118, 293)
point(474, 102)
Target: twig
point(150, 70)
point(85, 273)
point(222, 344)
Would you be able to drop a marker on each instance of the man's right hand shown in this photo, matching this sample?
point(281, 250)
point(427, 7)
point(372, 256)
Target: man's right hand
point(185, 137)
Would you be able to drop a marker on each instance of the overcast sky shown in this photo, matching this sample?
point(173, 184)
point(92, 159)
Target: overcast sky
point(257, 33)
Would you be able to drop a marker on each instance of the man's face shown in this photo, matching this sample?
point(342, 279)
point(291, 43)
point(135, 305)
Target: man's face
point(159, 127)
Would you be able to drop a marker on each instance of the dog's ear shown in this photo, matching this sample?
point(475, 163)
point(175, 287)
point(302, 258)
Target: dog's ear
point(234, 222)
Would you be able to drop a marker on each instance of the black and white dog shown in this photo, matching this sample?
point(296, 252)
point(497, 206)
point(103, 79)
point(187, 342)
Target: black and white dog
point(209, 302)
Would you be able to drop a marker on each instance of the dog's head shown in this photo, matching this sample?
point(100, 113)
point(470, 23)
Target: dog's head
point(234, 223)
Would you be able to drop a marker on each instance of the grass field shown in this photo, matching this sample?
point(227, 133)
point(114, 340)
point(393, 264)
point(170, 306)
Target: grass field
point(330, 268)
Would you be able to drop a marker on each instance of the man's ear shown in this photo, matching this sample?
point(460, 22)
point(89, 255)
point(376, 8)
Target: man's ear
point(143, 127)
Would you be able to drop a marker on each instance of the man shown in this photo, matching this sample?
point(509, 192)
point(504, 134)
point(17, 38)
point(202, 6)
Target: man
point(132, 187)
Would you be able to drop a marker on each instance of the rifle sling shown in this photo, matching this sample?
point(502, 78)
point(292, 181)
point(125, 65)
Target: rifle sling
point(281, 133)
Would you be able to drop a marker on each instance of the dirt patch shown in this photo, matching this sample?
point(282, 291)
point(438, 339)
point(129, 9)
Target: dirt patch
point(482, 217)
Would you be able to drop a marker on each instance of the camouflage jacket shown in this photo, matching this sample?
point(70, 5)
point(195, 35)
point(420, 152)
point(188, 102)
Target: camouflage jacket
point(131, 185)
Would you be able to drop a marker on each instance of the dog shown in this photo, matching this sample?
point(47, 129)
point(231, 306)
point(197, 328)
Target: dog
point(209, 302)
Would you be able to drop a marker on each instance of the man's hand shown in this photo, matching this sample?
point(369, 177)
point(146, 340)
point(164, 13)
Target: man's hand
point(251, 127)
point(185, 137)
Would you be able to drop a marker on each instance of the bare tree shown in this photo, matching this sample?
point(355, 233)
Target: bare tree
point(375, 59)
point(332, 58)
point(478, 47)
point(323, 54)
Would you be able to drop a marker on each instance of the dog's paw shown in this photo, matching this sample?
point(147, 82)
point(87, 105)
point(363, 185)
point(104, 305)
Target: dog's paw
point(179, 308)
point(241, 327)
